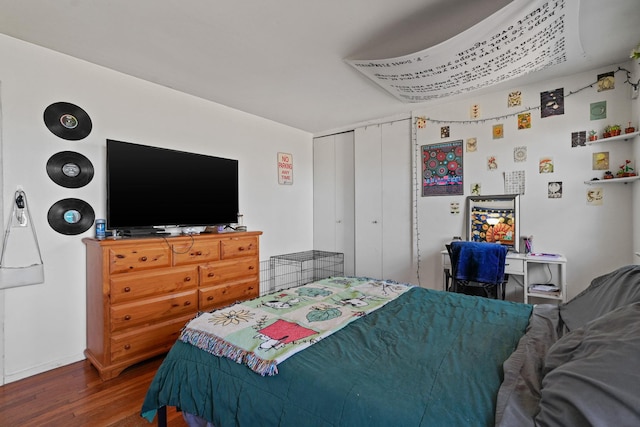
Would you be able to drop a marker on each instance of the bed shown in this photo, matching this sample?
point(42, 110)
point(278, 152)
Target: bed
point(428, 358)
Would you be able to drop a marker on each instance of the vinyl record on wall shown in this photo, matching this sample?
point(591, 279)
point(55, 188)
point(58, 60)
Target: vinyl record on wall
point(70, 169)
point(71, 216)
point(67, 121)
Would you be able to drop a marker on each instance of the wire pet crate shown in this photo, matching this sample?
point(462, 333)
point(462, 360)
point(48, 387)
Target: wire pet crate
point(299, 268)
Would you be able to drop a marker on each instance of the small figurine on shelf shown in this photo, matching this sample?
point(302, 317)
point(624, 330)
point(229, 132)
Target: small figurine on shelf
point(626, 170)
point(608, 175)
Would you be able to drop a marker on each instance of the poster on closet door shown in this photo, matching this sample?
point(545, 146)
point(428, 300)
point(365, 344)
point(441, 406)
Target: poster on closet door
point(285, 169)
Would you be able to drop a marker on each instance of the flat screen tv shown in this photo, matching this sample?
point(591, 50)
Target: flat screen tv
point(150, 187)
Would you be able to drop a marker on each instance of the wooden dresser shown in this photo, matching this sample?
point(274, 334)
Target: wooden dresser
point(142, 291)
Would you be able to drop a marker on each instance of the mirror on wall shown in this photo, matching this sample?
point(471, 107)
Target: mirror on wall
point(494, 219)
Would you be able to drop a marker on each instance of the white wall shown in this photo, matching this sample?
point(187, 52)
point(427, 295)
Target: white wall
point(44, 325)
point(595, 239)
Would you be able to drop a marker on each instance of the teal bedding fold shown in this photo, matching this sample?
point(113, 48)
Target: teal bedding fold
point(428, 358)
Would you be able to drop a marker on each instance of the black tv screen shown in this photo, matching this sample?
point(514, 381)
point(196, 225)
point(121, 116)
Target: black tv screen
point(157, 187)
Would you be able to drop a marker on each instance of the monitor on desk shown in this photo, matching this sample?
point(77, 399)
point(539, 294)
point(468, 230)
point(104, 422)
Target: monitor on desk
point(494, 219)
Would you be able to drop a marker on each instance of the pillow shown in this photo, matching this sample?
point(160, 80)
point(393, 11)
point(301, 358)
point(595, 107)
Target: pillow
point(592, 376)
point(606, 293)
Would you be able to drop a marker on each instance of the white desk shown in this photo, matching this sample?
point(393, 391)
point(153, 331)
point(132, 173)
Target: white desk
point(522, 265)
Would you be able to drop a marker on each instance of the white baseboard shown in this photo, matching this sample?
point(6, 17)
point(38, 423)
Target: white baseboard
point(10, 377)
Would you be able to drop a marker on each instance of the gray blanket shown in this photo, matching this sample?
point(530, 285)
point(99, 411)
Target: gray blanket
point(577, 365)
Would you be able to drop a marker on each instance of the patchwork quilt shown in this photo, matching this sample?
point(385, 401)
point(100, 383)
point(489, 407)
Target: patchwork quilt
point(263, 332)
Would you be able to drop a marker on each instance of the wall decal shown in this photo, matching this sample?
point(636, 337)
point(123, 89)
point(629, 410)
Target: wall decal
point(545, 165)
point(552, 103)
point(498, 131)
point(520, 154)
point(600, 161)
point(472, 144)
point(524, 121)
point(514, 99)
point(606, 81)
point(598, 110)
point(579, 139)
point(554, 190)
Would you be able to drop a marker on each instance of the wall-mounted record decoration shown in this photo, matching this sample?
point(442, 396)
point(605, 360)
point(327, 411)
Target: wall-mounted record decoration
point(67, 121)
point(70, 169)
point(71, 216)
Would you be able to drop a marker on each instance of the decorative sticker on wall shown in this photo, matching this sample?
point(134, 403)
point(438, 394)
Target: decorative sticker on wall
point(514, 99)
point(475, 189)
point(554, 190)
point(475, 111)
point(514, 182)
point(454, 208)
point(552, 103)
point(492, 163)
point(524, 121)
point(520, 154)
point(442, 169)
point(579, 139)
point(546, 165)
point(421, 122)
point(600, 161)
point(498, 131)
point(606, 81)
point(595, 196)
point(444, 132)
point(472, 144)
point(285, 169)
point(598, 110)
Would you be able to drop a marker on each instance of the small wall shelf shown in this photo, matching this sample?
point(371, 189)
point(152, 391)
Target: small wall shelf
point(621, 137)
point(613, 180)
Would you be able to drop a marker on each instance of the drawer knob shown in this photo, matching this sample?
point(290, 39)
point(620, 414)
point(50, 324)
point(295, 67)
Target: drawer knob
point(199, 253)
point(143, 259)
point(127, 317)
point(211, 274)
point(186, 303)
point(241, 248)
point(187, 279)
point(127, 289)
point(251, 267)
point(209, 298)
point(127, 346)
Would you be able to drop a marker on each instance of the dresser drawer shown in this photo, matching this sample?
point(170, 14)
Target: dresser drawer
point(146, 342)
point(198, 252)
point(135, 258)
point(238, 247)
point(153, 310)
point(224, 271)
point(227, 294)
point(128, 287)
point(514, 266)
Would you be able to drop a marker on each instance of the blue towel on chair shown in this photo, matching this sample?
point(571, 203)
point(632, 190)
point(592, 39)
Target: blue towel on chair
point(479, 261)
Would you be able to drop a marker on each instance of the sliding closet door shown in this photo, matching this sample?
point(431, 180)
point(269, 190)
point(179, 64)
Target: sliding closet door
point(333, 196)
point(383, 201)
point(368, 184)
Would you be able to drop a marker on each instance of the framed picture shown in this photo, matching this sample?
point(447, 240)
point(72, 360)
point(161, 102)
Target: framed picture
point(442, 169)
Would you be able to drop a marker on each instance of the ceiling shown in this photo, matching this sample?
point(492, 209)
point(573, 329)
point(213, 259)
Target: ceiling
point(285, 59)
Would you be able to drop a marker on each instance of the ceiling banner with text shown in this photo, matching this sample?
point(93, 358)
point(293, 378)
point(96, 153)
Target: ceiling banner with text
point(523, 37)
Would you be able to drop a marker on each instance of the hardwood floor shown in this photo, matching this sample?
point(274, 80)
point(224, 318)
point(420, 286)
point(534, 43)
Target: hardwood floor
point(74, 395)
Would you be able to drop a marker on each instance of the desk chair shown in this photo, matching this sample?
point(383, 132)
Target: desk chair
point(477, 268)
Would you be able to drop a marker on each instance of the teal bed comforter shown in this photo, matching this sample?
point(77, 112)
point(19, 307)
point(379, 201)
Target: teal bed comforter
point(428, 358)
